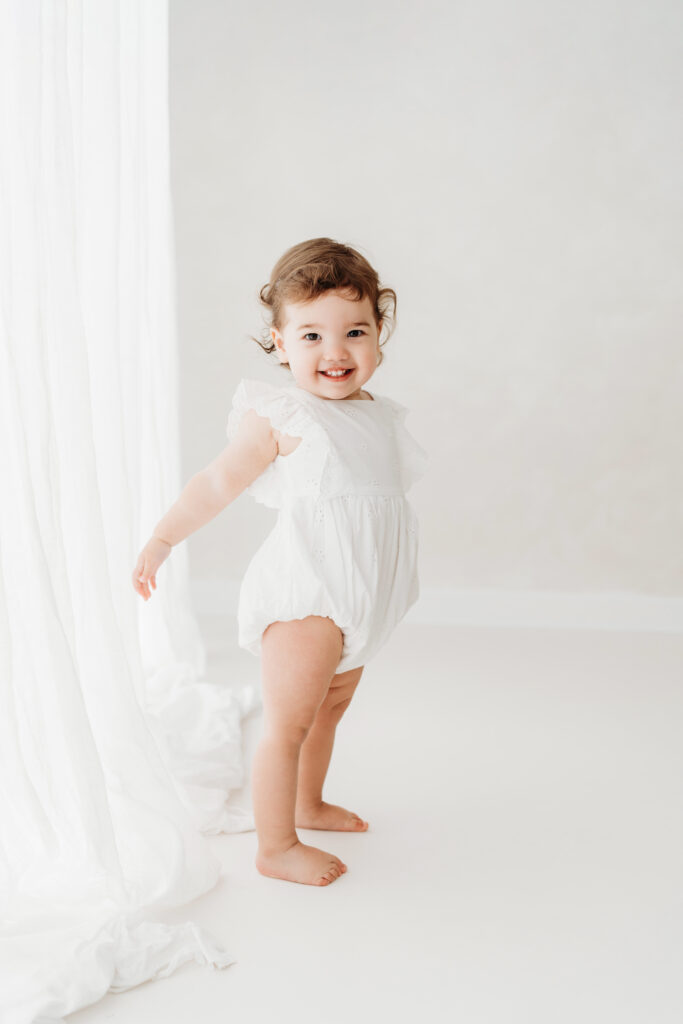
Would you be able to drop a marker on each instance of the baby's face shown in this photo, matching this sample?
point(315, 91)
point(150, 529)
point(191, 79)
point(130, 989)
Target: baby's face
point(329, 333)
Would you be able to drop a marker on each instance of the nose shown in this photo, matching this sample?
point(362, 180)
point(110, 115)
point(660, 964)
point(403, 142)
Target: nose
point(335, 350)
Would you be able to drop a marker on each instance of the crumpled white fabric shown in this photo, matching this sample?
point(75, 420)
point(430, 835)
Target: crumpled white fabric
point(89, 953)
point(115, 753)
point(198, 729)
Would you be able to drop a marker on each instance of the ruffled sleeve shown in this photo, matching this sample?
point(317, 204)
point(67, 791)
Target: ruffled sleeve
point(286, 414)
point(414, 460)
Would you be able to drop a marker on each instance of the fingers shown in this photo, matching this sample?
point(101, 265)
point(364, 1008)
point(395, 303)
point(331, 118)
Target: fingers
point(140, 584)
point(142, 579)
point(145, 571)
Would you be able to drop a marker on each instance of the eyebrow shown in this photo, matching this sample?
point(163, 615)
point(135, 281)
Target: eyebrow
point(358, 323)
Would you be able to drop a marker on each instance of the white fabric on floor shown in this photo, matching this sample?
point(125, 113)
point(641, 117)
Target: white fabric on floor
point(115, 754)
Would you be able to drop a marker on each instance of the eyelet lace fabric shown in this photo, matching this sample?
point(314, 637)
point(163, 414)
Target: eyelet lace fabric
point(330, 461)
point(345, 542)
point(413, 459)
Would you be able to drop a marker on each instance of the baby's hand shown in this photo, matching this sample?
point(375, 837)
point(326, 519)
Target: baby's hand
point(150, 558)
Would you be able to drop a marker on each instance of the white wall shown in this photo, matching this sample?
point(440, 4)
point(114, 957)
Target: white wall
point(513, 170)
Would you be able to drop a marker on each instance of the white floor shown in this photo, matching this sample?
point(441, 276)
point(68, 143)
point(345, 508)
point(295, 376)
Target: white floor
point(524, 857)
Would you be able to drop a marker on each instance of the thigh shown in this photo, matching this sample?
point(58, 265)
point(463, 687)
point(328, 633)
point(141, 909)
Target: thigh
point(298, 659)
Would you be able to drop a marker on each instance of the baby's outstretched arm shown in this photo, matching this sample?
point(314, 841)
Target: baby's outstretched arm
point(207, 493)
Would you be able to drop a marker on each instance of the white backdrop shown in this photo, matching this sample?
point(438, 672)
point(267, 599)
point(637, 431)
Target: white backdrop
point(513, 170)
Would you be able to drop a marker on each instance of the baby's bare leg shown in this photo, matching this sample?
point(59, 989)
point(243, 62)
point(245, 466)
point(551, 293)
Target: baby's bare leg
point(314, 759)
point(298, 659)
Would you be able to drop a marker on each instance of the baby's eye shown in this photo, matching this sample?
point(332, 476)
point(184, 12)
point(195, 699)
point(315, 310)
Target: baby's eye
point(314, 334)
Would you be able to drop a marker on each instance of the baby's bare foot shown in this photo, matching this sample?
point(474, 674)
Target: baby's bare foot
point(301, 863)
point(329, 816)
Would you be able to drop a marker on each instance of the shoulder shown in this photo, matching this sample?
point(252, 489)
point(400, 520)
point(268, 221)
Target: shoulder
point(396, 409)
point(261, 395)
point(251, 391)
point(280, 404)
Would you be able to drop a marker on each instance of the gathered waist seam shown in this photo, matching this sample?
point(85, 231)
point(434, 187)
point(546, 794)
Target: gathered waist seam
point(320, 499)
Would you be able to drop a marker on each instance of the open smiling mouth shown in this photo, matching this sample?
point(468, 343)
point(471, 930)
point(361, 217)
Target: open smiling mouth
point(336, 374)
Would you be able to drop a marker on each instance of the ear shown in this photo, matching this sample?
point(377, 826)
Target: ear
point(278, 341)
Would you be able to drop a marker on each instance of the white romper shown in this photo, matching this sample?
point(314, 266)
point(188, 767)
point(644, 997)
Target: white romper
point(345, 543)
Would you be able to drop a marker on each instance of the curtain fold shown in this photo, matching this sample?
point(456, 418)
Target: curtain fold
point(115, 753)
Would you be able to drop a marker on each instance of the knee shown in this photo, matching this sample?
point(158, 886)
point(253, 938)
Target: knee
point(332, 710)
point(339, 695)
point(290, 732)
point(296, 732)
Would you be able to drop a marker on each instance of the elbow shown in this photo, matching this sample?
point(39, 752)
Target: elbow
point(222, 486)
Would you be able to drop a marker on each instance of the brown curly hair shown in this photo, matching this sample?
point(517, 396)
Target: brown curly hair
point(309, 269)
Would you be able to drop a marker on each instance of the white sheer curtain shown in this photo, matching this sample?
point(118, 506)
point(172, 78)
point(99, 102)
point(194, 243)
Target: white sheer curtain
point(115, 754)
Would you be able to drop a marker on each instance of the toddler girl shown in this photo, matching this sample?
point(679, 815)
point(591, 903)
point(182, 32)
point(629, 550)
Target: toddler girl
point(339, 570)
